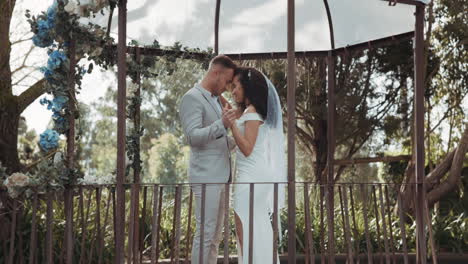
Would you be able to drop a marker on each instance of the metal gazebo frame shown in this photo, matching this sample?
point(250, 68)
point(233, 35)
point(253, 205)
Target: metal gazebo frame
point(291, 54)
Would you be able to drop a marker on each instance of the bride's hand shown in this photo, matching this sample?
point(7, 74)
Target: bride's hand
point(225, 102)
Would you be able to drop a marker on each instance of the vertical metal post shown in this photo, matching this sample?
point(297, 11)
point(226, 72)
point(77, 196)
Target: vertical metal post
point(11, 255)
point(49, 227)
point(216, 27)
point(33, 243)
point(121, 115)
point(70, 155)
point(136, 118)
point(275, 224)
point(330, 157)
point(251, 223)
point(226, 222)
point(419, 134)
point(291, 133)
point(187, 241)
point(154, 224)
point(331, 140)
point(136, 169)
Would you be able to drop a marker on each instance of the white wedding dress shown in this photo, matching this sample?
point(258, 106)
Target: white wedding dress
point(249, 169)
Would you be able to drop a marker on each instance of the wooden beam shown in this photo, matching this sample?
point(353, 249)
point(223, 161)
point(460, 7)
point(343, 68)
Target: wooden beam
point(366, 160)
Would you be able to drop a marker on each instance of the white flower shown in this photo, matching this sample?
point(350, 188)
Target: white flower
point(17, 179)
point(58, 159)
point(72, 7)
point(83, 7)
point(15, 182)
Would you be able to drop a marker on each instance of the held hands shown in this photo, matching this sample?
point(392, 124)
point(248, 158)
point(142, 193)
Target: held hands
point(229, 116)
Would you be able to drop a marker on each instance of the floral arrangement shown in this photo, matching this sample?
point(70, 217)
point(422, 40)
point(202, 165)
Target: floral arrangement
point(54, 29)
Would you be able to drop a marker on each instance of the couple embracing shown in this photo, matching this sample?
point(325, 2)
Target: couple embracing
point(253, 130)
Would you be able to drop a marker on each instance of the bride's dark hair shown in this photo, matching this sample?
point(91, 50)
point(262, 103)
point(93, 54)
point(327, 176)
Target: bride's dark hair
point(255, 88)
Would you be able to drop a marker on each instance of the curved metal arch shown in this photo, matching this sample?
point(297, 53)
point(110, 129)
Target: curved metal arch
point(330, 25)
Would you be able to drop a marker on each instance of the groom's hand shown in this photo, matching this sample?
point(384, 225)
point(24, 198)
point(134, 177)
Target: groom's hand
point(229, 116)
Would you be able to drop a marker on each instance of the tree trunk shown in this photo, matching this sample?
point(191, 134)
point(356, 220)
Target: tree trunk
point(9, 120)
point(9, 117)
point(436, 186)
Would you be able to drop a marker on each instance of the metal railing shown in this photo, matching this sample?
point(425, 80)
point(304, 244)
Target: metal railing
point(369, 225)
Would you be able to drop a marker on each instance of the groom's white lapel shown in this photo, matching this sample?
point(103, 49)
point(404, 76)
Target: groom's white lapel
point(207, 95)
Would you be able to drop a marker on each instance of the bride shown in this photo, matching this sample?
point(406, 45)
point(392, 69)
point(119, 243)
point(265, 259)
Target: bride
point(258, 133)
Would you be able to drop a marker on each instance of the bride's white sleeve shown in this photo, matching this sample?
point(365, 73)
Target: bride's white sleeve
point(191, 116)
point(251, 117)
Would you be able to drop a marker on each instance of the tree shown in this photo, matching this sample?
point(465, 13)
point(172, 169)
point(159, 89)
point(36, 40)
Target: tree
point(167, 160)
point(159, 117)
point(359, 112)
point(374, 100)
point(11, 106)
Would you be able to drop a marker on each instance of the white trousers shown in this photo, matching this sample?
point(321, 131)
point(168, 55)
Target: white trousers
point(213, 224)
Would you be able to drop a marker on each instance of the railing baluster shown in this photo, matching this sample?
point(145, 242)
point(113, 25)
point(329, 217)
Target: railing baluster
point(251, 221)
point(189, 227)
point(347, 227)
point(106, 218)
point(49, 231)
point(96, 218)
point(403, 230)
point(390, 225)
point(131, 224)
point(136, 224)
point(226, 223)
point(114, 215)
point(178, 209)
point(275, 223)
point(20, 236)
point(154, 224)
point(84, 222)
point(431, 236)
point(384, 225)
point(340, 194)
point(142, 235)
point(33, 242)
point(309, 250)
point(355, 232)
point(158, 229)
point(11, 254)
point(322, 225)
point(202, 222)
point(376, 212)
point(370, 257)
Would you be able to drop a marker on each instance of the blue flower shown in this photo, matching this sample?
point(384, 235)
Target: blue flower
point(44, 101)
point(44, 35)
point(49, 140)
point(48, 74)
point(55, 59)
point(42, 40)
point(58, 103)
point(52, 12)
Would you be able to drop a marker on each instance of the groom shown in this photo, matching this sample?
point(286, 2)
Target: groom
point(205, 127)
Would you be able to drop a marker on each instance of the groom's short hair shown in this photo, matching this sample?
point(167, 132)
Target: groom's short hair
point(224, 61)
